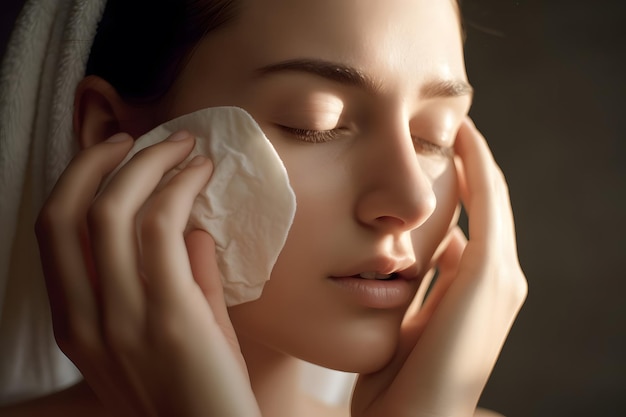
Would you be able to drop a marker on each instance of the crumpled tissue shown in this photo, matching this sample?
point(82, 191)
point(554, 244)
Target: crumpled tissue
point(247, 206)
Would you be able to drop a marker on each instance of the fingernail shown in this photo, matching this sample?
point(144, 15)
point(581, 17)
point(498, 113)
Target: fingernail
point(119, 137)
point(178, 136)
point(196, 161)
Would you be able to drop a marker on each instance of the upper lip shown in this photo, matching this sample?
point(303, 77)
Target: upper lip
point(404, 268)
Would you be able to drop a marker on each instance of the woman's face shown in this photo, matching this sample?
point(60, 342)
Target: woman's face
point(362, 100)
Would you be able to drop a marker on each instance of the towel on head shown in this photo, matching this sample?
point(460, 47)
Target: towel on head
point(44, 61)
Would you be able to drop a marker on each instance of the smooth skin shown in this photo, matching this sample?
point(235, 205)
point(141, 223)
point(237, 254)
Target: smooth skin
point(142, 314)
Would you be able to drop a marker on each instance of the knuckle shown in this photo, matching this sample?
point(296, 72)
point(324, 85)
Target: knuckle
point(54, 216)
point(44, 224)
point(168, 332)
point(102, 213)
point(520, 288)
point(77, 337)
point(156, 221)
point(121, 338)
point(63, 336)
point(513, 286)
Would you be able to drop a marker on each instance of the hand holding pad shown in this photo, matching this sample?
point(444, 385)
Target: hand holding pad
point(248, 205)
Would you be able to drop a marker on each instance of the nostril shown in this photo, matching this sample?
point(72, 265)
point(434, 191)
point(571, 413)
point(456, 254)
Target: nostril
point(390, 221)
point(398, 216)
point(404, 204)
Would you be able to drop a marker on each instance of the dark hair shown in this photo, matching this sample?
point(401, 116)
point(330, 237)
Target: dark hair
point(141, 45)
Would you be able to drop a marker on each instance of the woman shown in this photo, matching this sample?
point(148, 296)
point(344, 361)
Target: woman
point(366, 103)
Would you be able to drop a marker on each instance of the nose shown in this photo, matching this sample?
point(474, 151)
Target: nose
point(396, 194)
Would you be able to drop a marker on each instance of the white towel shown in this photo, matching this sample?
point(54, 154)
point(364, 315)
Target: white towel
point(45, 59)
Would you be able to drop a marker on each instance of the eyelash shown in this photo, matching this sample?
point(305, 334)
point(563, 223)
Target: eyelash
point(321, 136)
point(313, 136)
point(431, 148)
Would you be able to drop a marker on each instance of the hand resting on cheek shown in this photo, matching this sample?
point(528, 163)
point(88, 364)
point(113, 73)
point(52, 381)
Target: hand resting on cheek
point(449, 346)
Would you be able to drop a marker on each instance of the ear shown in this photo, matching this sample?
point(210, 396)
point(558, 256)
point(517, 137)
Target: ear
point(100, 112)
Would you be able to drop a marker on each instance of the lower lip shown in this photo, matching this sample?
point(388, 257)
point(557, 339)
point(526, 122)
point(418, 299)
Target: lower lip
point(375, 293)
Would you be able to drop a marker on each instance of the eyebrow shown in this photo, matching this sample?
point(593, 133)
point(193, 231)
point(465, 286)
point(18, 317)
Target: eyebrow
point(447, 88)
point(351, 76)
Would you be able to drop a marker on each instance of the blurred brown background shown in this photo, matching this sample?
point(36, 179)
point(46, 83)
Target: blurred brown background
point(550, 98)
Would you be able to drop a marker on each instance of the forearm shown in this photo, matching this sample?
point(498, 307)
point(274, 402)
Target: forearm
point(77, 400)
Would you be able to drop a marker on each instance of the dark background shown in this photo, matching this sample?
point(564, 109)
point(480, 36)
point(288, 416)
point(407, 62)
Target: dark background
point(550, 98)
point(550, 85)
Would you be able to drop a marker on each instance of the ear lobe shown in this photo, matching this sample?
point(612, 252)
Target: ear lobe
point(100, 112)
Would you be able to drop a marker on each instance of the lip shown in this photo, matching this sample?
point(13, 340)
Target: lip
point(379, 294)
point(405, 267)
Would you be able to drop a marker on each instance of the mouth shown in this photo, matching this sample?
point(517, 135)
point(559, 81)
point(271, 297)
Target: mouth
point(377, 276)
point(377, 290)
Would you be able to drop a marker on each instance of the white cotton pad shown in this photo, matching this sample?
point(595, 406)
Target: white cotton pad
point(247, 206)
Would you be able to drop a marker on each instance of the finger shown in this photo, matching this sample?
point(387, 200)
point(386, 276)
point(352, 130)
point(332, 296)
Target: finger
point(114, 238)
point(417, 322)
point(165, 218)
point(202, 258)
point(447, 266)
point(67, 262)
point(59, 227)
point(484, 192)
point(448, 263)
point(479, 181)
point(426, 282)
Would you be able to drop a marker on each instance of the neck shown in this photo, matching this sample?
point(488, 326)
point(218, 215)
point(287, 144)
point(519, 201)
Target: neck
point(275, 379)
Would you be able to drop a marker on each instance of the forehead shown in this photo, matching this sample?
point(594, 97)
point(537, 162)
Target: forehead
point(401, 46)
point(417, 37)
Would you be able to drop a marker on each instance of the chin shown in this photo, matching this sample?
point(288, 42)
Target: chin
point(361, 360)
point(360, 348)
point(332, 335)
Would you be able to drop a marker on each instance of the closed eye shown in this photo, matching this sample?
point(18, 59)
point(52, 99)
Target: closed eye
point(313, 136)
point(422, 145)
point(427, 147)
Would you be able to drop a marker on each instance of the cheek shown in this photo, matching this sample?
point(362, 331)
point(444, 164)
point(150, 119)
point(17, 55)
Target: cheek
point(321, 179)
point(427, 238)
point(446, 189)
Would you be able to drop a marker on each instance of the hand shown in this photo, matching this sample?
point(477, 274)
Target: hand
point(449, 346)
point(137, 307)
